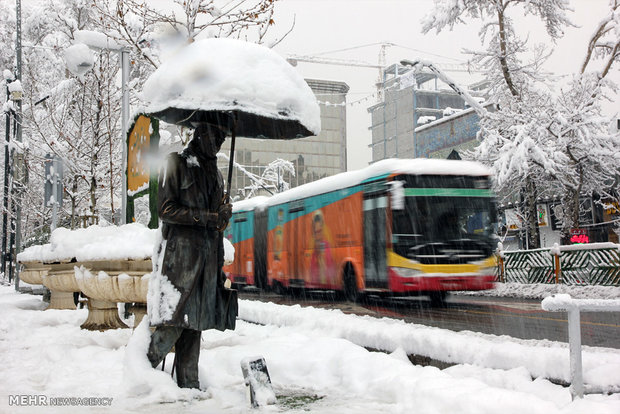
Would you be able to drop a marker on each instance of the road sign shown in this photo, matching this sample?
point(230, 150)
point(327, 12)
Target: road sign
point(53, 174)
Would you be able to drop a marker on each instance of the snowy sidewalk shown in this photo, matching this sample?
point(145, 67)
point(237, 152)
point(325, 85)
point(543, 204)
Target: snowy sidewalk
point(315, 358)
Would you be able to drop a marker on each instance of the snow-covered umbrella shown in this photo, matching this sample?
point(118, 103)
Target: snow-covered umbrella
point(247, 88)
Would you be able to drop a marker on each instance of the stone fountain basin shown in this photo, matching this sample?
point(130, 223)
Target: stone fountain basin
point(114, 280)
point(33, 272)
point(60, 277)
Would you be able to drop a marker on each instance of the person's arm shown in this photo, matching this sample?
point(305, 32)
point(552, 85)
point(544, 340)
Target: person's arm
point(170, 209)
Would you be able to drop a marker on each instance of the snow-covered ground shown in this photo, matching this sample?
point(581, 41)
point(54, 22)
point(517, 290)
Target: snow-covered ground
point(316, 358)
point(542, 290)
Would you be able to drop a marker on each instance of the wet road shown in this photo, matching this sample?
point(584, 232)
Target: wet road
point(519, 318)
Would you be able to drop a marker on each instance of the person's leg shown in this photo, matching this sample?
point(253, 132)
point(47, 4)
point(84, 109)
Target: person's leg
point(187, 350)
point(162, 341)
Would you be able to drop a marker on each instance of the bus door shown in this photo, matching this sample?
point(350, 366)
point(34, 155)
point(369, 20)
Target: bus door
point(260, 248)
point(375, 216)
point(295, 247)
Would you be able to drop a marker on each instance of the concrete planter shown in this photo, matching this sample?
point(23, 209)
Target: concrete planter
point(33, 272)
point(60, 280)
point(105, 283)
point(109, 282)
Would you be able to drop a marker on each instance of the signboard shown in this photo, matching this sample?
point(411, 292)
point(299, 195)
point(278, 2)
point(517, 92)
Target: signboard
point(138, 147)
point(579, 236)
point(407, 79)
point(612, 208)
point(513, 219)
point(543, 215)
point(53, 187)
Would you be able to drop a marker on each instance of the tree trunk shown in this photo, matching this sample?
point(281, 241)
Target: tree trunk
point(571, 204)
point(571, 214)
point(110, 144)
point(74, 190)
point(531, 196)
point(504, 52)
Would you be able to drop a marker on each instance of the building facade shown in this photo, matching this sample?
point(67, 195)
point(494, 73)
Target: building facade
point(419, 117)
point(312, 157)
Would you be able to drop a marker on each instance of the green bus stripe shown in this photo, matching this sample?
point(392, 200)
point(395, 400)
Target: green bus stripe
point(447, 192)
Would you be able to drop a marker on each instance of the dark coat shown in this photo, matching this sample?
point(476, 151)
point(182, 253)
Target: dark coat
point(193, 252)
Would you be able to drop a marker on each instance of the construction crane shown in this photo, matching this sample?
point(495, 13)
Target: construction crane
point(293, 59)
point(381, 65)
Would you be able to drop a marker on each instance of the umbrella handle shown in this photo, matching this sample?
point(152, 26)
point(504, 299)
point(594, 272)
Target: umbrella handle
point(233, 135)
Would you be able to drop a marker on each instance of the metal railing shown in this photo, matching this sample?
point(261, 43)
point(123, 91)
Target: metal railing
point(587, 264)
point(574, 307)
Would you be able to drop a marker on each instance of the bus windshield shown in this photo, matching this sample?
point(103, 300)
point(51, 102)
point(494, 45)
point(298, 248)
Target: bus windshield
point(448, 228)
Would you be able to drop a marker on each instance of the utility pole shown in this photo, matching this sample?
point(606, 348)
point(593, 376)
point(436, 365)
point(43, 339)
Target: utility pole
point(20, 167)
point(8, 76)
point(124, 56)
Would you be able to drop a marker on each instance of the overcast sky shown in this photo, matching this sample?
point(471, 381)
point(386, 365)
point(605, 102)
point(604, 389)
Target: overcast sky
point(323, 26)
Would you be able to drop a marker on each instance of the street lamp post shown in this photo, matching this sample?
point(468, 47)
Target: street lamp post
point(8, 77)
point(99, 41)
point(124, 122)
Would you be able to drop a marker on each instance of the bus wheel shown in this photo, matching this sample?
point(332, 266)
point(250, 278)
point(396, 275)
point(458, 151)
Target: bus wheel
point(438, 299)
point(277, 287)
point(350, 285)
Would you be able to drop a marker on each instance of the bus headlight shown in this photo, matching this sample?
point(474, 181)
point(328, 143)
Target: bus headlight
point(406, 272)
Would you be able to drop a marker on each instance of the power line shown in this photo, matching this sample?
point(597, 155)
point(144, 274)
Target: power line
point(386, 44)
point(352, 48)
point(429, 53)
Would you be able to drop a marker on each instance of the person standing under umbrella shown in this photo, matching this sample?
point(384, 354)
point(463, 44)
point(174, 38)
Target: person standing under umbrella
point(193, 212)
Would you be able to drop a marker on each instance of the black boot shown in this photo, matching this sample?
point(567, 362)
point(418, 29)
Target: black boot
point(187, 350)
point(162, 341)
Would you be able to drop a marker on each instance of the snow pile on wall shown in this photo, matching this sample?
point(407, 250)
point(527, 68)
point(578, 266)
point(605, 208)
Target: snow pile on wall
point(127, 242)
point(130, 241)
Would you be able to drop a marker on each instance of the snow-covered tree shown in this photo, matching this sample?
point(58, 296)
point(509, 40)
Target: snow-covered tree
point(538, 139)
point(153, 29)
point(75, 118)
point(78, 117)
point(273, 178)
point(275, 172)
point(587, 150)
point(7, 31)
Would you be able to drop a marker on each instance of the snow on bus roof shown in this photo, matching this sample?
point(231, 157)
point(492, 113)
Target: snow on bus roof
point(250, 204)
point(418, 166)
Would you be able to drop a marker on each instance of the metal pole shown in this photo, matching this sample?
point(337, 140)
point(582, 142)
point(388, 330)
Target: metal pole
point(574, 339)
point(395, 119)
point(5, 196)
point(54, 194)
point(415, 122)
point(18, 136)
point(11, 252)
point(124, 121)
point(564, 303)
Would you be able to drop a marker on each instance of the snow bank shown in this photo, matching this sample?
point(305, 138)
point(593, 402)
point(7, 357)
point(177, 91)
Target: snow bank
point(130, 241)
point(127, 242)
point(312, 369)
point(542, 290)
point(563, 302)
point(544, 359)
point(141, 381)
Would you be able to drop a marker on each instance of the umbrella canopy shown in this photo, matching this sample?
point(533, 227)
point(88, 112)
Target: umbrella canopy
point(210, 79)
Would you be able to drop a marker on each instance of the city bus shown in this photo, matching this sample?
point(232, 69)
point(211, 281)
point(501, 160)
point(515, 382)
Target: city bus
point(398, 227)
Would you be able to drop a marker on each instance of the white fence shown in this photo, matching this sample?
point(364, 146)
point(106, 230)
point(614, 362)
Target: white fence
point(574, 307)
